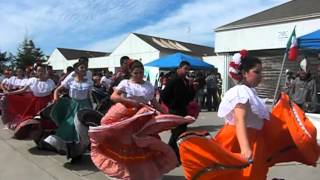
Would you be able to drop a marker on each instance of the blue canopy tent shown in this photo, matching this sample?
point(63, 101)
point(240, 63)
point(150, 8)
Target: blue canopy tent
point(310, 42)
point(173, 61)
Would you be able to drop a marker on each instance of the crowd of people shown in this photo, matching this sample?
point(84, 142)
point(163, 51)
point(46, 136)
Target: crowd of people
point(209, 86)
point(27, 92)
point(304, 87)
point(125, 144)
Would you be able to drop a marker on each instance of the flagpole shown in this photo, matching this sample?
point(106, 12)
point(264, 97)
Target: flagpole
point(279, 78)
point(293, 34)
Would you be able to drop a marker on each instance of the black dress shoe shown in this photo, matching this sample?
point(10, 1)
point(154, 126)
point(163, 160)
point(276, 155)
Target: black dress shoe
point(76, 159)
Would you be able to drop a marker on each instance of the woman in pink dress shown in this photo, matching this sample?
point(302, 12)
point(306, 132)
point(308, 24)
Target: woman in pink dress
point(127, 144)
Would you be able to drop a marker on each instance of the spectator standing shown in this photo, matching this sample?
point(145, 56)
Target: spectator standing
point(316, 101)
point(212, 87)
point(106, 81)
point(303, 88)
point(200, 95)
point(289, 80)
point(219, 85)
point(177, 94)
point(123, 73)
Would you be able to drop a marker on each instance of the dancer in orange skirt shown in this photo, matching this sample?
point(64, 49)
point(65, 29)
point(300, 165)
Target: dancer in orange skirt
point(252, 140)
point(288, 136)
point(245, 114)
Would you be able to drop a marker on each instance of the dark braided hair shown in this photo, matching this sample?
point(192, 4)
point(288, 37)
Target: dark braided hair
point(248, 63)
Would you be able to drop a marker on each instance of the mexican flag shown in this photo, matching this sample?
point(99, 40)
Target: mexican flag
point(292, 46)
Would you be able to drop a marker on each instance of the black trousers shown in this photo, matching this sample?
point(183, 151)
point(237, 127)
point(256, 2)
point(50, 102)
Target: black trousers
point(175, 133)
point(212, 99)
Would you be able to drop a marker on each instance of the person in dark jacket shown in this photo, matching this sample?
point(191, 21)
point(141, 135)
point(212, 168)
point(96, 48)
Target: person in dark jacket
point(176, 96)
point(303, 90)
point(123, 73)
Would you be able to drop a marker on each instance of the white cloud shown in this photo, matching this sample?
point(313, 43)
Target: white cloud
point(77, 23)
point(49, 21)
point(195, 22)
point(106, 45)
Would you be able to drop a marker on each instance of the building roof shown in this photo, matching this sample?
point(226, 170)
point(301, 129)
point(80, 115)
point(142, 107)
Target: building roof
point(70, 54)
point(291, 11)
point(176, 46)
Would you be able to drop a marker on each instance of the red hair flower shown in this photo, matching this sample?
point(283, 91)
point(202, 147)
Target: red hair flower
point(235, 63)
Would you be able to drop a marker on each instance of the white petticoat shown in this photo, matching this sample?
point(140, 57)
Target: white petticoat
point(240, 94)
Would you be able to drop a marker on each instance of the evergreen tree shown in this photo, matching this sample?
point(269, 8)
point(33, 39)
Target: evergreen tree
point(28, 54)
point(5, 59)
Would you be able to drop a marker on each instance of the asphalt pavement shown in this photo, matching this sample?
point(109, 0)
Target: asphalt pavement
point(21, 160)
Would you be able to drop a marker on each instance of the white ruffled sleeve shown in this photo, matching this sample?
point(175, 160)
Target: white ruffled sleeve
point(122, 86)
point(67, 81)
point(31, 81)
point(232, 97)
point(241, 94)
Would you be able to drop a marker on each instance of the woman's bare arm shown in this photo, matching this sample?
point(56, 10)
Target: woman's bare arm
point(241, 111)
point(18, 91)
point(56, 93)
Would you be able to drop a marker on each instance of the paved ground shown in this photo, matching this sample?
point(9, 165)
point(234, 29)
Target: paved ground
point(20, 160)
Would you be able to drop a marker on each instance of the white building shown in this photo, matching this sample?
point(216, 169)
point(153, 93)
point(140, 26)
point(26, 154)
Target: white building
point(61, 58)
point(148, 48)
point(136, 46)
point(265, 34)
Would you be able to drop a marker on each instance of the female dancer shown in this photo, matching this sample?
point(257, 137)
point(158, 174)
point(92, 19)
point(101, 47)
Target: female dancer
point(252, 139)
point(23, 107)
point(16, 82)
point(68, 137)
point(127, 144)
point(245, 113)
point(135, 92)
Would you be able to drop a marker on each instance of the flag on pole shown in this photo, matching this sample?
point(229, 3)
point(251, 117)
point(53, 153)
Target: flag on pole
point(292, 46)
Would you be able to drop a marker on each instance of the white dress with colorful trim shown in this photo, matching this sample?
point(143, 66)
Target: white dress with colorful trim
point(242, 94)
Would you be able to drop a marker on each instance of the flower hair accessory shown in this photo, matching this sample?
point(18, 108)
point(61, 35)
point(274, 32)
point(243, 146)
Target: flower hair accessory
point(234, 65)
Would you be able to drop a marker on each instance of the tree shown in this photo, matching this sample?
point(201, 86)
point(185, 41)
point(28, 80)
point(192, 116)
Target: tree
point(5, 58)
point(28, 54)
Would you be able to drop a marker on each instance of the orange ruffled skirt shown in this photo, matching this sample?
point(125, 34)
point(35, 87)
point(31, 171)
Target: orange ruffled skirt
point(287, 136)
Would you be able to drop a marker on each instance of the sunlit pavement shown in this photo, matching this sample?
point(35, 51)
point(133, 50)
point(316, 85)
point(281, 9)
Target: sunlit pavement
point(21, 160)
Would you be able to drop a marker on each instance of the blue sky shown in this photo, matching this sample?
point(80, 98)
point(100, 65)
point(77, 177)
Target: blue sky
point(101, 25)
